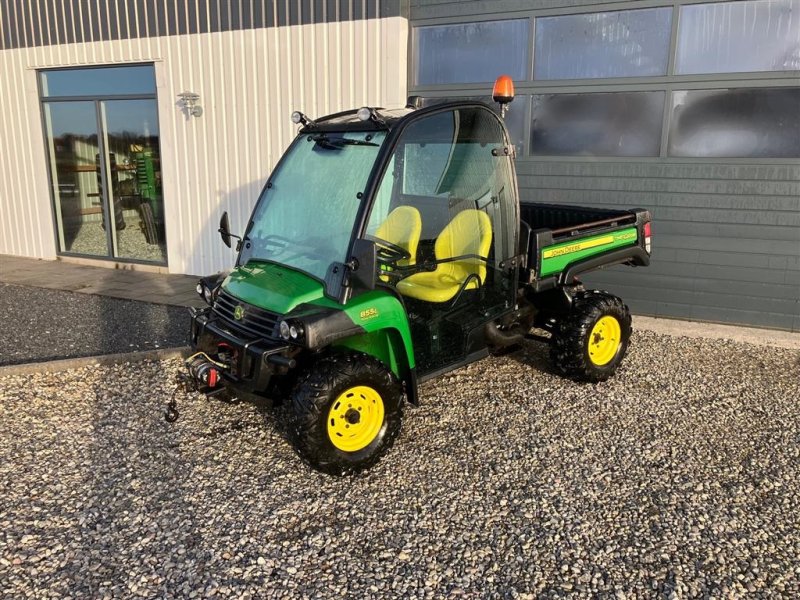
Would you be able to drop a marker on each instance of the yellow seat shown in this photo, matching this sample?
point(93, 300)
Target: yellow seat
point(470, 232)
point(402, 227)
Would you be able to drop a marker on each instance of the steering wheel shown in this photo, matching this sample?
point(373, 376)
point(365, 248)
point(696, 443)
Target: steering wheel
point(387, 252)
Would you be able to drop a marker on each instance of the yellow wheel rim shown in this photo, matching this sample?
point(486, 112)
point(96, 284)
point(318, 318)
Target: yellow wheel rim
point(355, 418)
point(604, 341)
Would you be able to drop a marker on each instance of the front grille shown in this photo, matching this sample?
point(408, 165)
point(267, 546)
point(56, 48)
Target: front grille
point(254, 321)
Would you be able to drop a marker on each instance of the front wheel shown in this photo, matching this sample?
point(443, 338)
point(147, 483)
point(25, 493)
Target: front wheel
point(591, 341)
point(348, 410)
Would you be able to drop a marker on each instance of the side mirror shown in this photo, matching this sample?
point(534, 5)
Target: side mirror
point(225, 229)
point(364, 274)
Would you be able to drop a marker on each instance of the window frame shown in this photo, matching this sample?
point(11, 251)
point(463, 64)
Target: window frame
point(733, 88)
point(714, 74)
point(40, 73)
point(664, 99)
point(42, 100)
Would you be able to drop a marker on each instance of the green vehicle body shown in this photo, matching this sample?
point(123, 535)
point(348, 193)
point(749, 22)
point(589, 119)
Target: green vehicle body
point(386, 334)
point(389, 247)
point(558, 257)
point(356, 311)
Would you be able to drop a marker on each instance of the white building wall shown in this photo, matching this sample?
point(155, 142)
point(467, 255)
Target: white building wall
point(249, 82)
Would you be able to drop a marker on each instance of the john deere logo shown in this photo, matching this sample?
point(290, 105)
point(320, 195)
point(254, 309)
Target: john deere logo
point(238, 312)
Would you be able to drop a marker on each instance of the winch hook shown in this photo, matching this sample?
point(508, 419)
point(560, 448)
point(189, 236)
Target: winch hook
point(171, 413)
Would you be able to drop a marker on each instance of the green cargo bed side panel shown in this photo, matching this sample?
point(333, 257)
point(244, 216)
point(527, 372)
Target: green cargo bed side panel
point(558, 257)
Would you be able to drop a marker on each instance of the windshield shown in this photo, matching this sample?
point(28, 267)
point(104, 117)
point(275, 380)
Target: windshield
point(305, 218)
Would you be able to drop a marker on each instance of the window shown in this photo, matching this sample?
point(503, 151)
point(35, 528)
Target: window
point(104, 81)
point(625, 43)
point(515, 117)
point(305, 218)
point(562, 111)
point(444, 164)
point(470, 52)
point(736, 37)
point(745, 122)
point(102, 137)
point(597, 124)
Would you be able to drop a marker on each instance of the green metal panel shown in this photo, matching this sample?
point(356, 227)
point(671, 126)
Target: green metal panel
point(558, 257)
point(272, 287)
point(380, 311)
point(280, 290)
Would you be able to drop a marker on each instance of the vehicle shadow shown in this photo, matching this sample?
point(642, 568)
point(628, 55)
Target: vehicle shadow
point(137, 469)
point(529, 353)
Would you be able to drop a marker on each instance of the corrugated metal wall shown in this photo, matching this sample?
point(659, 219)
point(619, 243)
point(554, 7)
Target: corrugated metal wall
point(249, 81)
point(726, 232)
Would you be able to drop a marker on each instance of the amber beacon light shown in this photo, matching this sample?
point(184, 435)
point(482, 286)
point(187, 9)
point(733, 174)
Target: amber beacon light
point(503, 91)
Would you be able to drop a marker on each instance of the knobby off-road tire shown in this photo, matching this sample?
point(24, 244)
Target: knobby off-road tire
point(591, 341)
point(347, 412)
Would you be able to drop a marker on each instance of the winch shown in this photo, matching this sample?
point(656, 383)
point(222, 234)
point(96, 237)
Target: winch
point(202, 374)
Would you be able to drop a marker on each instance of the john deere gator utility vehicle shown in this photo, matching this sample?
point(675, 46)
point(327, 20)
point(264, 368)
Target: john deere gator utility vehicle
point(388, 247)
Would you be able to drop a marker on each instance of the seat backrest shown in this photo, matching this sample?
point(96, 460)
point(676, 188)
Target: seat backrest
point(402, 227)
point(469, 232)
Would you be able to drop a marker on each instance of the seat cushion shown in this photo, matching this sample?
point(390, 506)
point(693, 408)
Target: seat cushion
point(468, 233)
point(437, 286)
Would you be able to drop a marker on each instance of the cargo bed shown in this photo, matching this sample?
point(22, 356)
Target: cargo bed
point(562, 241)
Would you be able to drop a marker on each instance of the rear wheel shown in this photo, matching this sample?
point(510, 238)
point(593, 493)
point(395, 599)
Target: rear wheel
point(591, 341)
point(348, 410)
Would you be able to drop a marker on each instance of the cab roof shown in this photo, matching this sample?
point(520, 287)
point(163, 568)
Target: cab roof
point(349, 121)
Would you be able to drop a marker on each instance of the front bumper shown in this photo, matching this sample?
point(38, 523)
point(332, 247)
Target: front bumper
point(250, 363)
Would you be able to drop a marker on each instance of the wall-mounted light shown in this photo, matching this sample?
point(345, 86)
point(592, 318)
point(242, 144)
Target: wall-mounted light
point(189, 103)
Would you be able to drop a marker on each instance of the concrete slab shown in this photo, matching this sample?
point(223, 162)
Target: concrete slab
point(694, 329)
point(178, 290)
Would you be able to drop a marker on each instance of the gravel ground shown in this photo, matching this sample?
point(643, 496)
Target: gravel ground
point(41, 324)
point(679, 478)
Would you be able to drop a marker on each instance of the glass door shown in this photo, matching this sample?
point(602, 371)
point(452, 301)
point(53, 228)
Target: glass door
point(133, 168)
point(73, 143)
point(105, 163)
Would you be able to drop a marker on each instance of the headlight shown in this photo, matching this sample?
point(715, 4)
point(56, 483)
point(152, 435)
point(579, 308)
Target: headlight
point(208, 288)
point(290, 330)
point(364, 113)
point(205, 292)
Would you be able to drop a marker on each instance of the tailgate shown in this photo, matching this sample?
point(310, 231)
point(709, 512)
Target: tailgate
point(559, 255)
